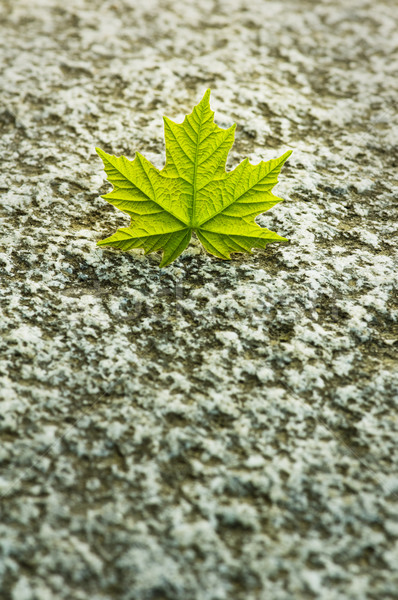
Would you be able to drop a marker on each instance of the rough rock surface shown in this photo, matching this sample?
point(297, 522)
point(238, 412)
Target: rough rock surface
point(212, 430)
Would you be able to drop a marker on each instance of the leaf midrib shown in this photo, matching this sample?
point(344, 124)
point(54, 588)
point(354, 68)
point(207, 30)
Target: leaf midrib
point(195, 170)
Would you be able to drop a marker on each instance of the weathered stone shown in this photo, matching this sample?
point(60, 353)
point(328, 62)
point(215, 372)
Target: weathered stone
point(213, 430)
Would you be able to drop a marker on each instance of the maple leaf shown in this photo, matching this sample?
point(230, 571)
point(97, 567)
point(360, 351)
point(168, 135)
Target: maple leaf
point(193, 192)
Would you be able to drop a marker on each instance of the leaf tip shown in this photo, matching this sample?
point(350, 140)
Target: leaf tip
point(164, 263)
point(102, 154)
point(206, 98)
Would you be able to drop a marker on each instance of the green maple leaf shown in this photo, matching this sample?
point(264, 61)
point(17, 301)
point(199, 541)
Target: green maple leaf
point(193, 192)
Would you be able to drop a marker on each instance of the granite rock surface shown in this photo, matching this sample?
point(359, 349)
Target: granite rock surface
point(214, 430)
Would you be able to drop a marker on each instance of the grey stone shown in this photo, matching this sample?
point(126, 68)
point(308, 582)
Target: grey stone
point(212, 430)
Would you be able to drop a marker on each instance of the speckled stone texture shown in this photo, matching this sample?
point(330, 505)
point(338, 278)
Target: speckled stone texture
point(212, 430)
